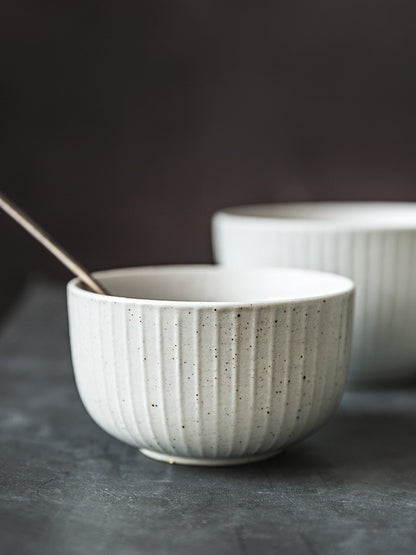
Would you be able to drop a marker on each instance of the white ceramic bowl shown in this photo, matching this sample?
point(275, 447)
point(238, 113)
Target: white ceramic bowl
point(372, 243)
point(208, 365)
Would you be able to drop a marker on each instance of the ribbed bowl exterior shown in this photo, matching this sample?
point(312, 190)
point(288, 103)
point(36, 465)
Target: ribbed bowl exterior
point(382, 263)
point(210, 382)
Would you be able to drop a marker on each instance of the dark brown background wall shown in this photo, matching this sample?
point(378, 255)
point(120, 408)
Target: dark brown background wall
point(125, 125)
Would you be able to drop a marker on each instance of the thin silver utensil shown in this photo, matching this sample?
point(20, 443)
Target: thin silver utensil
point(47, 241)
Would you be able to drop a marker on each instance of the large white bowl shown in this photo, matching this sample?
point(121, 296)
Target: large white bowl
point(372, 243)
point(208, 365)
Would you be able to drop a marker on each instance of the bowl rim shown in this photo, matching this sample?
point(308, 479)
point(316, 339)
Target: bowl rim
point(239, 214)
point(74, 288)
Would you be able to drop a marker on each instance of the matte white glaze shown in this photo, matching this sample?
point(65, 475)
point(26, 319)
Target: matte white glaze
point(372, 243)
point(211, 382)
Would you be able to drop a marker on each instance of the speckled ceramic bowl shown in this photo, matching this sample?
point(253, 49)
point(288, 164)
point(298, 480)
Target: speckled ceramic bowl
point(208, 365)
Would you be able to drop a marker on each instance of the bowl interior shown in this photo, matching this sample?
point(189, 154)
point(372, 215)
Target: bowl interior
point(377, 214)
point(211, 284)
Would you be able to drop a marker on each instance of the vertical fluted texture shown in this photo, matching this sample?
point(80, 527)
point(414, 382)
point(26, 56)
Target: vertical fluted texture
point(382, 264)
point(208, 382)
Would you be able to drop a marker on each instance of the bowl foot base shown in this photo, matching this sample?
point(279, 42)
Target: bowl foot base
point(201, 461)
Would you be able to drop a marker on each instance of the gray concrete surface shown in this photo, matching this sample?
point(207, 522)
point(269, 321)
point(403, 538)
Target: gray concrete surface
point(66, 487)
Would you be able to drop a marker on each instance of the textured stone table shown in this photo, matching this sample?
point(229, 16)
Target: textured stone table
point(66, 487)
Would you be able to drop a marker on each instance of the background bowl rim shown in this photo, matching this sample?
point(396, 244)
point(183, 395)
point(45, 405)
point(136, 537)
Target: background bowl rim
point(240, 214)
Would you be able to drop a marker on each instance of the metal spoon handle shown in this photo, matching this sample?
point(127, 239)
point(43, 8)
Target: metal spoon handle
point(38, 233)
